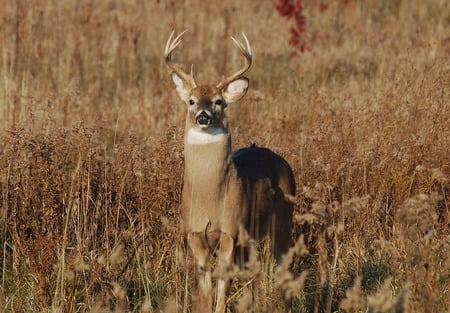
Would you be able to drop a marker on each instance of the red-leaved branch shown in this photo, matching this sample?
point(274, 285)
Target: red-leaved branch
point(293, 9)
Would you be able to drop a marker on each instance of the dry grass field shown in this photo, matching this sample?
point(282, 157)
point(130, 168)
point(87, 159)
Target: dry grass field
point(91, 152)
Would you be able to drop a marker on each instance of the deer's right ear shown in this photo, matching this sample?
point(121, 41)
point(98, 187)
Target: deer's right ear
point(181, 87)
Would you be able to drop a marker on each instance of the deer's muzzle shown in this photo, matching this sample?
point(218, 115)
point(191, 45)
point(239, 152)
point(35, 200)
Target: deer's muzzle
point(203, 119)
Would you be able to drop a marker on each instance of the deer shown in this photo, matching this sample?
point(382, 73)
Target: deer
point(225, 191)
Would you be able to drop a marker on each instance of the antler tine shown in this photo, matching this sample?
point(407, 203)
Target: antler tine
point(247, 53)
point(171, 45)
point(166, 49)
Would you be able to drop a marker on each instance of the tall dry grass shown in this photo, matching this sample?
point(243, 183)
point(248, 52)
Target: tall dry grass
point(91, 153)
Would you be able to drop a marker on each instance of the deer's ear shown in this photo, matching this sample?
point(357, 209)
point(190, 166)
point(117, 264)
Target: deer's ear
point(235, 90)
point(182, 88)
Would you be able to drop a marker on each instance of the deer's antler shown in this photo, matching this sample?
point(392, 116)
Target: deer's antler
point(171, 45)
point(247, 53)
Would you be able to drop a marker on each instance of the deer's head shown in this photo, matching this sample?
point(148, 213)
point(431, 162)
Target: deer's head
point(206, 103)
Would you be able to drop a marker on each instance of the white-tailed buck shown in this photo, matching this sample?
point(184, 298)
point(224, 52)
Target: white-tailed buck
point(223, 190)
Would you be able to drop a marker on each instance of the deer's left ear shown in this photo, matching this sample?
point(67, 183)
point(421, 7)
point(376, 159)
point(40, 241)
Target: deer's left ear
point(235, 90)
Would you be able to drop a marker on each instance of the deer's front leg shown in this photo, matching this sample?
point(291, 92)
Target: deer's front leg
point(199, 248)
point(225, 258)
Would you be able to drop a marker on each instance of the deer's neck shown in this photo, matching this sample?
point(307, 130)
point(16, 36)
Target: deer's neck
point(207, 156)
point(199, 137)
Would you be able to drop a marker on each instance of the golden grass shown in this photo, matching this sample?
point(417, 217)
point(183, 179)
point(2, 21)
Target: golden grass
point(91, 152)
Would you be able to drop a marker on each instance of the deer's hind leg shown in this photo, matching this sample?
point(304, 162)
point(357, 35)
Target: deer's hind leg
point(281, 231)
point(282, 237)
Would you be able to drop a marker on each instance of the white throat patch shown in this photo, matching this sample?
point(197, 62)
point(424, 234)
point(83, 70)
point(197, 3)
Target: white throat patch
point(202, 137)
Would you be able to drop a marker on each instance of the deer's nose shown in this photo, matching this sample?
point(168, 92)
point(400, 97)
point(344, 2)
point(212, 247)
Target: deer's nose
point(203, 119)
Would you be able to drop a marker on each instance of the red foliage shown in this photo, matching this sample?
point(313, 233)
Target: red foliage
point(294, 9)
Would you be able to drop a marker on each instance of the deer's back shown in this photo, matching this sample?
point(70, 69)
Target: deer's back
point(254, 163)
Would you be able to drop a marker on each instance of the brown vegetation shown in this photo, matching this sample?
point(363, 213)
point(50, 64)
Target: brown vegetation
point(91, 153)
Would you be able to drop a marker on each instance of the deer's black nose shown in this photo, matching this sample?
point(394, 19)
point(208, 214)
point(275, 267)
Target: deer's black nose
point(203, 119)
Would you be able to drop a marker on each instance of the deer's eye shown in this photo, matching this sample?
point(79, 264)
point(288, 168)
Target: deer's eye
point(191, 102)
point(218, 102)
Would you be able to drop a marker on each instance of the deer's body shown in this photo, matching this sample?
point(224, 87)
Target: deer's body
point(253, 179)
point(223, 191)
